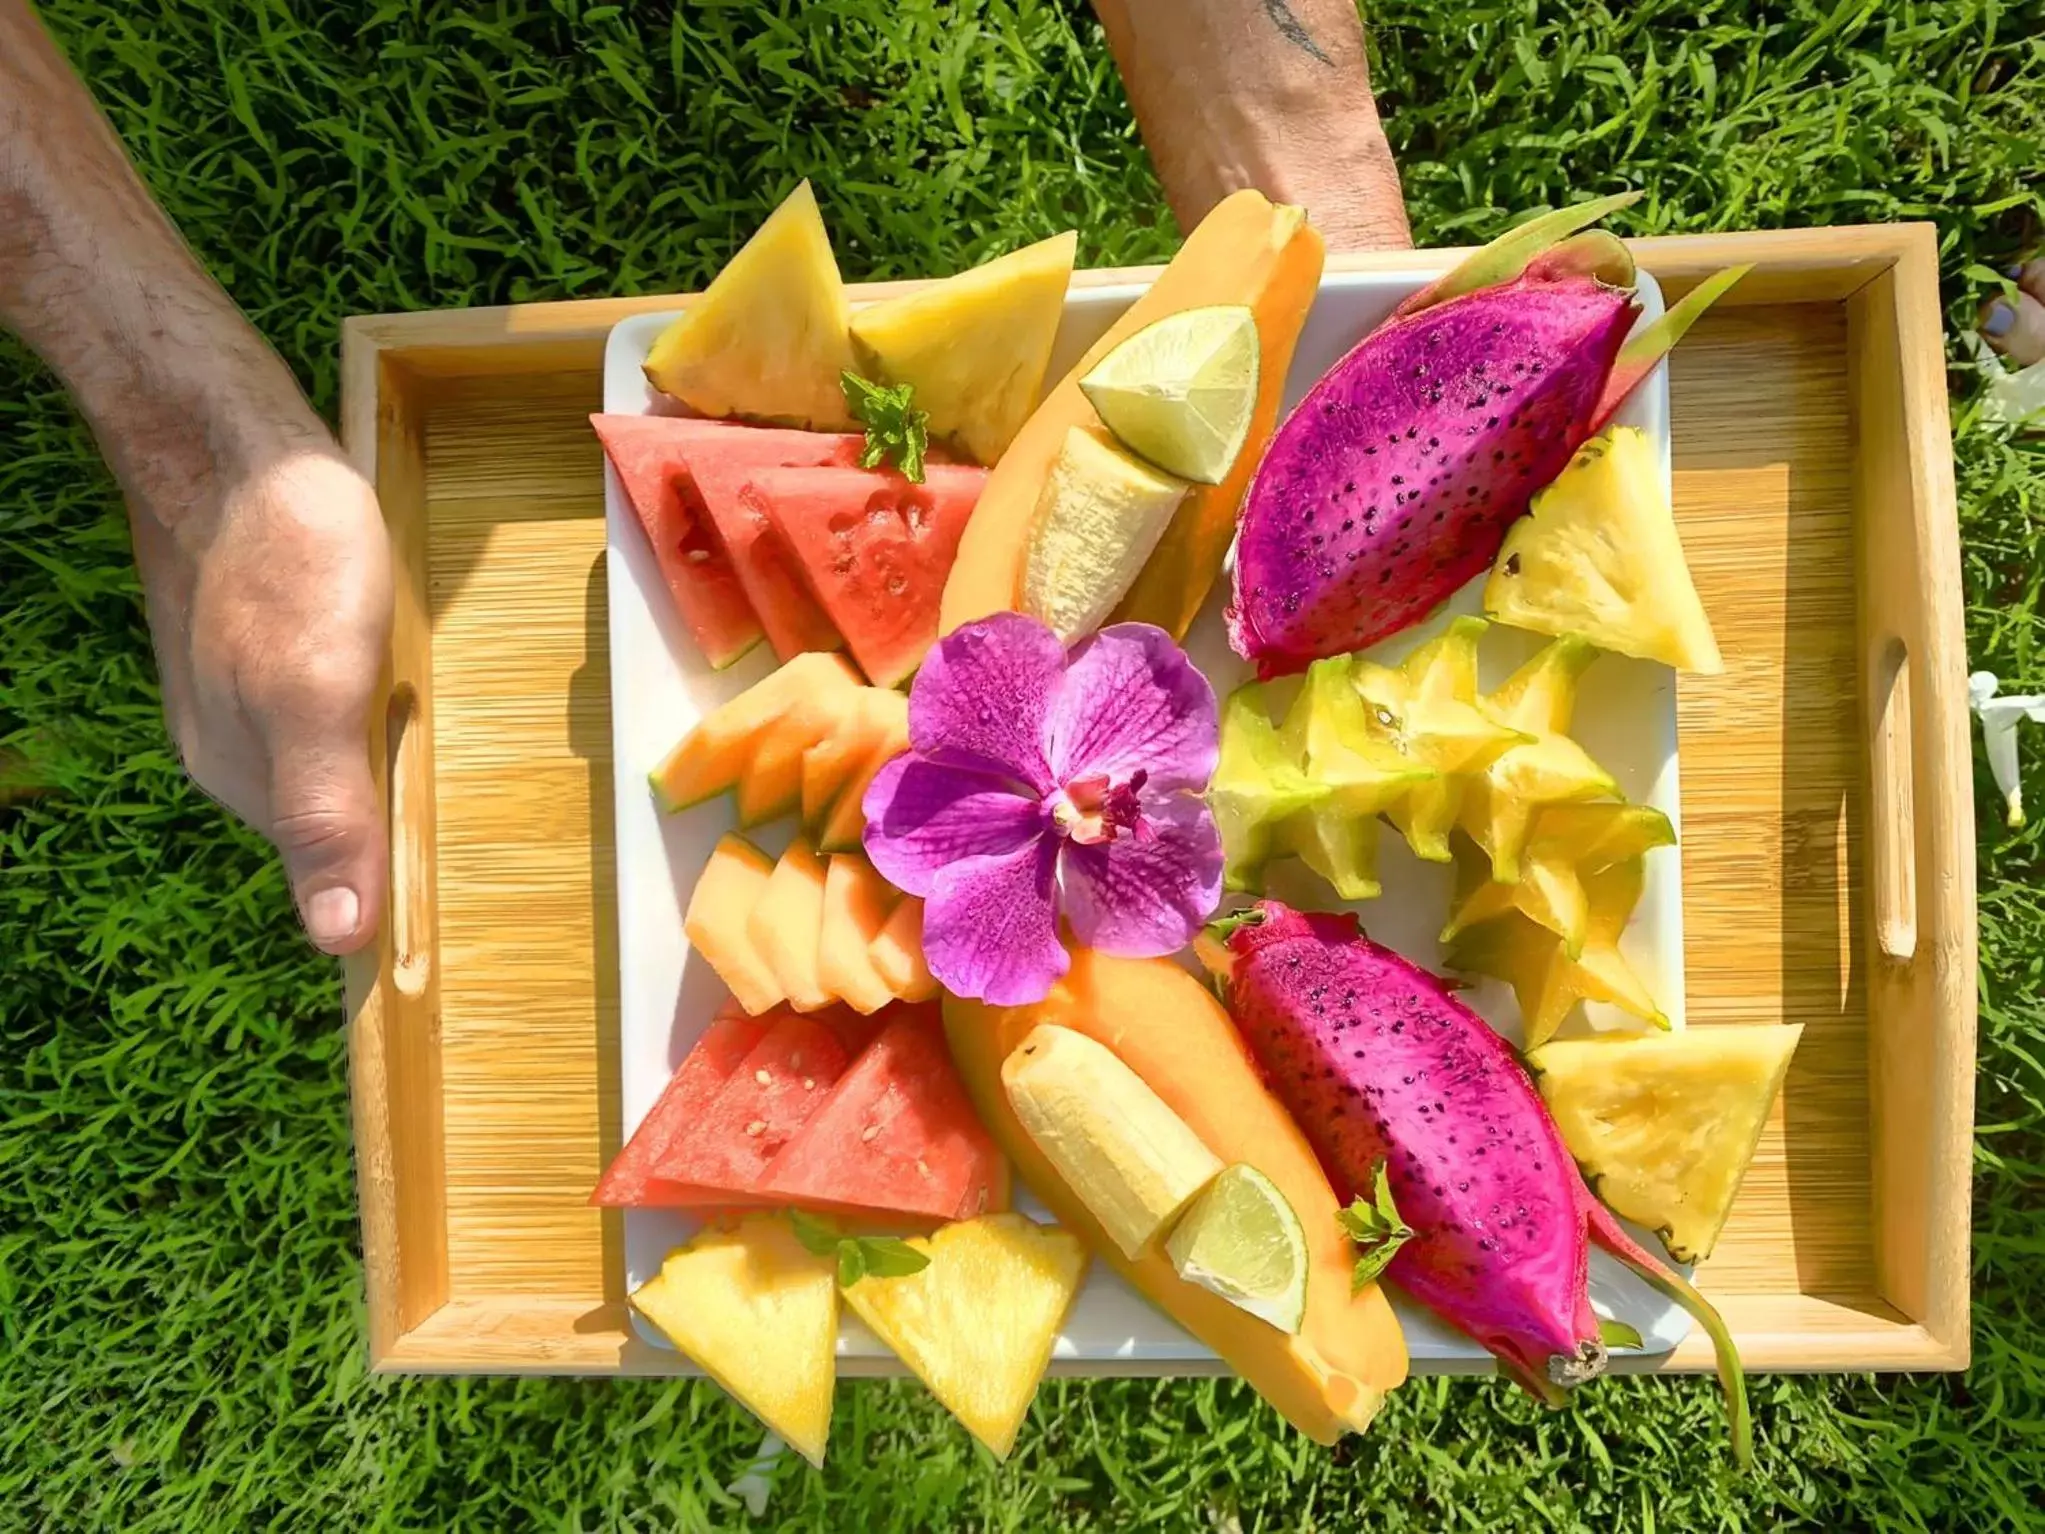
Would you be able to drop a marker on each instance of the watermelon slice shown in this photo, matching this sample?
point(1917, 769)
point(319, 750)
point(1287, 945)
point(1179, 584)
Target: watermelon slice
point(646, 453)
point(629, 1180)
point(874, 550)
point(770, 579)
point(896, 1134)
point(781, 1081)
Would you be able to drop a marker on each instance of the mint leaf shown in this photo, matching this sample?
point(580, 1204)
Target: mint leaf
point(1376, 1228)
point(894, 426)
point(818, 1237)
point(851, 1264)
point(1617, 1334)
point(887, 1257)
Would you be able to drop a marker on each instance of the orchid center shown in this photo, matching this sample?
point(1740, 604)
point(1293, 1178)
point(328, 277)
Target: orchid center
point(1094, 808)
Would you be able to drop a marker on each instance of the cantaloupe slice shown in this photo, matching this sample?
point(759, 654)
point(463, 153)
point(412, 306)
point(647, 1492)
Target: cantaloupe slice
point(975, 345)
point(767, 339)
point(845, 827)
point(879, 730)
point(770, 784)
point(857, 901)
point(710, 759)
point(978, 1322)
point(786, 922)
point(758, 1313)
point(732, 883)
point(897, 953)
point(1246, 251)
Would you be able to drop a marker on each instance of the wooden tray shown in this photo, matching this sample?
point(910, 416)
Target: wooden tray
point(1828, 819)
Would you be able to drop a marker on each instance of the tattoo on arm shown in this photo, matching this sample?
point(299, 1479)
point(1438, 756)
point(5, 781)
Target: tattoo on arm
point(1290, 28)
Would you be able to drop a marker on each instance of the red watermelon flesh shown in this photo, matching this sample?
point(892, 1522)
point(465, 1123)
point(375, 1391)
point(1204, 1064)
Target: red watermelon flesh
point(874, 550)
point(897, 1134)
point(772, 581)
point(629, 1180)
point(778, 1085)
point(646, 452)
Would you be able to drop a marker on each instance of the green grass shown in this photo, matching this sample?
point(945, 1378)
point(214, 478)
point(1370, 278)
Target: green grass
point(180, 1314)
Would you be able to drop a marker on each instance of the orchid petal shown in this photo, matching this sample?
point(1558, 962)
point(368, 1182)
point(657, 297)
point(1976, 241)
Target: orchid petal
point(990, 926)
point(984, 694)
point(923, 816)
point(1146, 895)
point(1133, 701)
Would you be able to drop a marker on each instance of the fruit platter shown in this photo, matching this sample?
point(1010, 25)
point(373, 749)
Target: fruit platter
point(1148, 827)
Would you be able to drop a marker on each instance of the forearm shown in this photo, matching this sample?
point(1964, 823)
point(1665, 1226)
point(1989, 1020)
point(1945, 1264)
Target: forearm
point(1272, 94)
point(175, 383)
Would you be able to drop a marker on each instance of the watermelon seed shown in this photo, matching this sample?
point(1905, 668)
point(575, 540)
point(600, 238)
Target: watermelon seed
point(809, 1083)
point(795, 1060)
point(922, 1169)
point(869, 1133)
point(763, 1077)
point(757, 1127)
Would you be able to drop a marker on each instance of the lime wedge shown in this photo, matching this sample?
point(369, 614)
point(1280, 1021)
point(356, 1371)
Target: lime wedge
point(1180, 392)
point(1241, 1240)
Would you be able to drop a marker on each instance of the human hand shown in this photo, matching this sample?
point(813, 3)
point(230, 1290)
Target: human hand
point(269, 589)
point(2016, 326)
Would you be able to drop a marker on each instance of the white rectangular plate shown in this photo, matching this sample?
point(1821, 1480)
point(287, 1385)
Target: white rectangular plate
point(660, 687)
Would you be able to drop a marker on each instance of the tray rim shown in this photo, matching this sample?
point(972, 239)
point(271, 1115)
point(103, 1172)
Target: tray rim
point(1920, 939)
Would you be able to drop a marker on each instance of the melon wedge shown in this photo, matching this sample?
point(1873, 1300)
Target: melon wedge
point(770, 785)
point(977, 1324)
point(897, 1134)
point(1246, 251)
point(782, 1080)
point(845, 826)
point(732, 883)
point(857, 901)
point(759, 1314)
point(975, 346)
point(629, 1181)
point(786, 922)
point(767, 339)
point(1168, 1028)
point(828, 767)
point(898, 953)
point(710, 759)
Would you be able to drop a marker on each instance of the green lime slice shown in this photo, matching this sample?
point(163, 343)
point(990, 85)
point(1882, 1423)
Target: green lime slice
point(1180, 392)
point(1241, 1240)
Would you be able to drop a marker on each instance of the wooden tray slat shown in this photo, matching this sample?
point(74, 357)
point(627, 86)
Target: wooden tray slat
point(1809, 417)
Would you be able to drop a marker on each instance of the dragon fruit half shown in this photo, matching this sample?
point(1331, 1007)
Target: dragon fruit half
point(1394, 481)
point(1386, 1071)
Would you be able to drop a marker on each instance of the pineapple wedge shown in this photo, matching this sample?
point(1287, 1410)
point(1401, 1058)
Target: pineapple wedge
point(977, 1324)
point(1131, 1160)
point(758, 1314)
point(975, 346)
point(1599, 556)
point(1536, 962)
point(1664, 1125)
point(767, 339)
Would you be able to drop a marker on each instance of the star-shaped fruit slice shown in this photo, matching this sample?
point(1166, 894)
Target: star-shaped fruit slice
point(1536, 700)
point(1426, 708)
point(1545, 979)
point(1328, 731)
point(1258, 785)
point(1568, 841)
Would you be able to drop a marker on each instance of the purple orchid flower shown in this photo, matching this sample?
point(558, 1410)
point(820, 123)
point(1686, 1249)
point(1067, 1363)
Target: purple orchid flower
point(1038, 782)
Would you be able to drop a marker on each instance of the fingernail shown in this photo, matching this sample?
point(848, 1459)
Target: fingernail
point(330, 915)
point(2000, 320)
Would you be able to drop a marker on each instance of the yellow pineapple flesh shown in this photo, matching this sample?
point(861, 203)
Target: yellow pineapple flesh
point(759, 1314)
point(1598, 555)
point(977, 1324)
point(767, 340)
point(1665, 1125)
point(975, 346)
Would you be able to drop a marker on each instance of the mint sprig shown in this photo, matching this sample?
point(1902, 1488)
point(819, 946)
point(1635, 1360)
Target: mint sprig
point(895, 428)
point(1376, 1228)
point(858, 1256)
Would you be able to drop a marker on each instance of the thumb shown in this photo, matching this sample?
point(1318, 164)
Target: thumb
point(326, 823)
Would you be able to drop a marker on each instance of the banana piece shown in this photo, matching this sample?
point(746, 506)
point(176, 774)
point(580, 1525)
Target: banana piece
point(1098, 518)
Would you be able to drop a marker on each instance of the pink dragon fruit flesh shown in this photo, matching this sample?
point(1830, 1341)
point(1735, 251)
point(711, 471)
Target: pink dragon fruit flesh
point(1394, 481)
point(1384, 1068)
